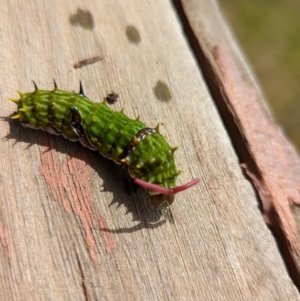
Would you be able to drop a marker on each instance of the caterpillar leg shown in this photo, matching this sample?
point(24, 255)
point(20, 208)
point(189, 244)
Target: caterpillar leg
point(168, 215)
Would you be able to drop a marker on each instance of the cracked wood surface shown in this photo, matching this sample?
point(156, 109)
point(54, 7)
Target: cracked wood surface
point(72, 224)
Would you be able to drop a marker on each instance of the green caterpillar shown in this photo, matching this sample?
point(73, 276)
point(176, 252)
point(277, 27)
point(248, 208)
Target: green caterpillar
point(144, 151)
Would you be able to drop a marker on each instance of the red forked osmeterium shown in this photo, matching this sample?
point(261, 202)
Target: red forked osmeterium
point(163, 190)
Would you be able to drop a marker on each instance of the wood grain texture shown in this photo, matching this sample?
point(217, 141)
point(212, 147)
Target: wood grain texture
point(72, 225)
point(269, 159)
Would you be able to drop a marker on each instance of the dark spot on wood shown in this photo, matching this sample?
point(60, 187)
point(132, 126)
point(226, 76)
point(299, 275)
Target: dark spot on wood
point(162, 91)
point(133, 34)
point(112, 97)
point(82, 18)
point(88, 61)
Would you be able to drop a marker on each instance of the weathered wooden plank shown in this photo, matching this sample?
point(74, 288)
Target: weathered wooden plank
point(72, 225)
point(270, 160)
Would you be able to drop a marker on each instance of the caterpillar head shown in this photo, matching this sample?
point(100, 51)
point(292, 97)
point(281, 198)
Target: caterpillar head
point(161, 198)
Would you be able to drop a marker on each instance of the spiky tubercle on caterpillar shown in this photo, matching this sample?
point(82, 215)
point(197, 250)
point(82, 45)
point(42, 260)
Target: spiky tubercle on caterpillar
point(144, 151)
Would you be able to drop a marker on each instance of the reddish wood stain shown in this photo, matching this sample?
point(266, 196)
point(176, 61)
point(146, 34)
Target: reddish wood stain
point(106, 236)
point(278, 181)
point(71, 183)
point(3, 236)
point(50, 169)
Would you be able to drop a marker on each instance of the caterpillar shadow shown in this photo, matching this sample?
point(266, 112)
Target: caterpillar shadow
point(115, 179)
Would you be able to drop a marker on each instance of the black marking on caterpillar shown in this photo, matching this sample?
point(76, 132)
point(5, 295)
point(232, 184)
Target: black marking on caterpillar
point(144, 151)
